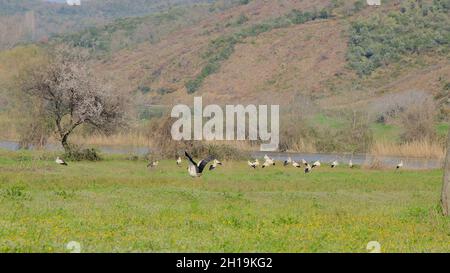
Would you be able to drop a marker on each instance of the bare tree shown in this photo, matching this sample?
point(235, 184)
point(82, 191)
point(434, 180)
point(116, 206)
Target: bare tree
point(446, 182)
point(72, 96)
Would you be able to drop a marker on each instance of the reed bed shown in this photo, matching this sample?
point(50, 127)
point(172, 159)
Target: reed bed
point(120, 139)
point(423, 148)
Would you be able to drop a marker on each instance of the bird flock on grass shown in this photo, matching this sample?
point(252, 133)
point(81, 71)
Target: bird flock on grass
point(196, 168)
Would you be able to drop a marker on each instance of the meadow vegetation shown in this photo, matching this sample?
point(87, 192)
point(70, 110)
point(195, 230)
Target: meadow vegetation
point(118, 205)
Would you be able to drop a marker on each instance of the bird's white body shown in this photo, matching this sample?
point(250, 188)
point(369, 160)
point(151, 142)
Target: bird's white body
point(268, 160)
point(193, 171)
point(350, 164)
point(295, 164)
point(316, 164)
point(287, 161)
point(304, 162)
point(308, 168)
point(179, 161)
point(153, 164)
point(334, 164)
point(60, 161)
point(400, 165)
point(254, 165)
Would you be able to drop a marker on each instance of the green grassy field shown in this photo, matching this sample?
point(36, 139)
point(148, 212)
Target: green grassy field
point(118, 205)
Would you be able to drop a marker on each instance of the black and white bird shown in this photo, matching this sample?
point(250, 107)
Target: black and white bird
point(316, 164)
point(400, 165)
point(304, 162)
point(153, 164)
point(179, 161)
point(287, 161)
point(334, 164)
point(296, 164)
point(196, 169)
point(214, 165)
point(254, 164)
point(60, 161)
point(269, 160)
point(350, 164)
point(308, 168)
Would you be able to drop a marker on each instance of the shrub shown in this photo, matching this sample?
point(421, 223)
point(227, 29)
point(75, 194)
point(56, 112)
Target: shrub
point(241, 19)
point(193, 85)
point(144, 89)
point(77, 154)
point(418, 121)
point(164, 90)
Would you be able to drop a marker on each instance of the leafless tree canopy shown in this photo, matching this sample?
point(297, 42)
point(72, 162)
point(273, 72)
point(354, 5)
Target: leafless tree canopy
point(72, 96)
point(413, 110)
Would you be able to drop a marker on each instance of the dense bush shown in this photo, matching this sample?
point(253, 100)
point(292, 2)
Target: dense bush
point(244, 2)
point(79, 154)
point(418, 121)
point(413, 29)
point(144, 89)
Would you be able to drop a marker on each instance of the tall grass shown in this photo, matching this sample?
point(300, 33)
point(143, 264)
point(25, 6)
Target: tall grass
point(119, 139)
point(7, 130)
point(422, 148)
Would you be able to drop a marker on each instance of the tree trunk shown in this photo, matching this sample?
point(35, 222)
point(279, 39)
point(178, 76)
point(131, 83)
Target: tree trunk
point(65, 143)
point(446, 182)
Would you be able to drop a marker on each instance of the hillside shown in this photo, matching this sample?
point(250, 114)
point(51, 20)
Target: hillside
point(323, 61)
point(257, 52)
point(37, 20)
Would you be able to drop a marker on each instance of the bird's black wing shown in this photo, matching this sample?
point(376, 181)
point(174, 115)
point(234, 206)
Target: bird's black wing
point(203, 163)
point(190, 158)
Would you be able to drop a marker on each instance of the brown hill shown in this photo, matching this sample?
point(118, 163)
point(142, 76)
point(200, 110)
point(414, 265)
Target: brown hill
point(307, 59)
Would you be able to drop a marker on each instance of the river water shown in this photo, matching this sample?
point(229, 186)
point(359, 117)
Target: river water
point(343, 159)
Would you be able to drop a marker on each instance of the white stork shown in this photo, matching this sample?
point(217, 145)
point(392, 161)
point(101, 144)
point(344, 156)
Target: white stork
point(196, 169)
point(214, 165)
point(334, 164)
point(153, 164)
point(308, 168)
point(60, 161)
point(316, 164)
point(287, 161)
point(254, 165)
point(269, 160)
